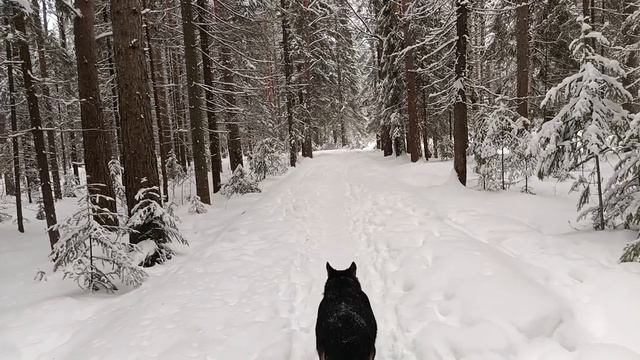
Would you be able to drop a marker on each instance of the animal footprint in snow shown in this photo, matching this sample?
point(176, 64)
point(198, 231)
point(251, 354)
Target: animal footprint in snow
point(577, 275)
point(408, 285)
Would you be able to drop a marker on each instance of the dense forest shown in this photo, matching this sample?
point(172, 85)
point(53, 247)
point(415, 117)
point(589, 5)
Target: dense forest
point(117, 103)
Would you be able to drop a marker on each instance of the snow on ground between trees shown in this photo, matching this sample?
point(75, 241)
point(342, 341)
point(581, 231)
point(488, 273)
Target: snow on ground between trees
point(452, 273)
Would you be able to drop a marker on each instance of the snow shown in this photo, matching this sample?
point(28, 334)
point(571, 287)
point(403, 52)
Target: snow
point(451, 272)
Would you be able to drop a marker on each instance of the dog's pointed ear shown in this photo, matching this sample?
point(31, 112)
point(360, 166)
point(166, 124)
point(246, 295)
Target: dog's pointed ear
point(352, 269)
point(330, 271)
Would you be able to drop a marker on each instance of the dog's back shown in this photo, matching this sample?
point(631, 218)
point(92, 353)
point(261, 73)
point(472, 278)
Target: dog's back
point(346, 327)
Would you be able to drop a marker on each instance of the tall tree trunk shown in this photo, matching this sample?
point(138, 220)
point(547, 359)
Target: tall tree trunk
point(62, 33)
point(600, 205)
point(233, 128)
point(632, 61)
point(207, 72)
point(36, 125)
point(97, 147)
point(288, 69)
point(14, 129)
point(522, 56)
point(62, 22)
point(140, 163)
point(63, 148)
point(410, 81)
point(48, 110)
point(108, 47)
point(195, 105)
point(425, 126)
point(341, 122)
point(159, 83)
point(178, 108)
point(460, 108)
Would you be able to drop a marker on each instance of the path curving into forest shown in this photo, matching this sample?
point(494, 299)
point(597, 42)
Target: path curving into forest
point(452, 273)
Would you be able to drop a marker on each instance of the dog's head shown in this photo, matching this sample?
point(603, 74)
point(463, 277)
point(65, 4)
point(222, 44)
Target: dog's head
point(340, 280)
point(333, 273)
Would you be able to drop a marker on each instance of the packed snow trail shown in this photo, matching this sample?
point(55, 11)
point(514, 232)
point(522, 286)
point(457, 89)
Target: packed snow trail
point(451, 273)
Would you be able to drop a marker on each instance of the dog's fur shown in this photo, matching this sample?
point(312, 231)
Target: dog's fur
point(346, 327)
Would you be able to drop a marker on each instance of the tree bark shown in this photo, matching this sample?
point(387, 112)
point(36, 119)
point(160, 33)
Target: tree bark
point(46, 94)
point(159, 83)
point(14, 129)
point(522, 57)
point(140, 163)
point(341, 122)
point(632, 61)
point(425, 126)
point(178, 108)
point(288, 70)
point(36, 125)
point(234, 142)
point(194, 95)
point(207, 77)
point(410, 80)
point(108, 47)
point(460, 108)
point(97, 147)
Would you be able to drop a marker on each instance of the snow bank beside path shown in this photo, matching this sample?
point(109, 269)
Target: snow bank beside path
point(452, 273)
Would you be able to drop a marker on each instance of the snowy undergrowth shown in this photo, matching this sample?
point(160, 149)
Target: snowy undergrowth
point(452, 273)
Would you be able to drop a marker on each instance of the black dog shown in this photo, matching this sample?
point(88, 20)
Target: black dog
point(346, 327)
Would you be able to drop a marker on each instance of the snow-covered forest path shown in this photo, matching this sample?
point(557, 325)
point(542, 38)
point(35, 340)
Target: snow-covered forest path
point(451, 273)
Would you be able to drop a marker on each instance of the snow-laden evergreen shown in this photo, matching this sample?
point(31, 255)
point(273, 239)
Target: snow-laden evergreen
point(196, 206)
point(267, 159)
point(96, 256)
point(115, 172)
point(155, 227)
point(4, 211)
point(175, 173)
point(622, 191)
point(70, 185)
point(501, 157)
point(589, 121)
point(240, 183)
point(445, 148)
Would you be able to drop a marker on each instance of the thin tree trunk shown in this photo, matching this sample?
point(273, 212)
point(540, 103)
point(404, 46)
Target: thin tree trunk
point(522, 56)
point(288, 69)
point(36, 125)
point(14, 129)
point(233, 128)
point(195, 105)
point(140, 163)
point(48, 111)
point(460, 107)
point(160, 100)
point(410, 79)
point(600, 205)
point(425, 126)
point(207, 72)
point(117, 145)
point(632, 61)
point(97, 147)
point(179, 113)
point(63, 148)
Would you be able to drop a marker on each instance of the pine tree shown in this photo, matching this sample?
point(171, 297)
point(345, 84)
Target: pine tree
point(240, 183)
point(194, 95)
point(97, 147)
point(36, 124)
point(141, 170)
point(156, 228)
point(460, 108)
point(94, 254)
point(14, 126)
point(591, 113)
